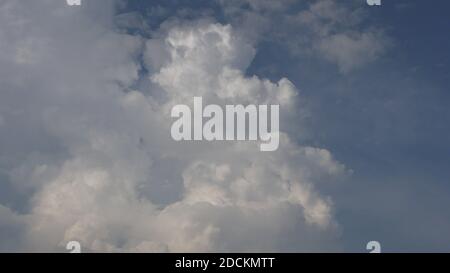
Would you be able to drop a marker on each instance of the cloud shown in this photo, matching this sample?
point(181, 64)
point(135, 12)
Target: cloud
point(12, 228)
point(95, 158)
point(329, 30)
point(352, 50)
point(337, 34)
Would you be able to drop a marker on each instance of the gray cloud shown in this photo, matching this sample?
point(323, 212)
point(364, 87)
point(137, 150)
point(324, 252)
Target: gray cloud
point(325, 29)
point(93, 154)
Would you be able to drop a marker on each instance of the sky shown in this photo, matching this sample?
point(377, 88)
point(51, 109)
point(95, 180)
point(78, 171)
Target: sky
point(85, 146)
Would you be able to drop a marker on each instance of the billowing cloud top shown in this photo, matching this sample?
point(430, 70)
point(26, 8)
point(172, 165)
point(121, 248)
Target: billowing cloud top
point(84, 116)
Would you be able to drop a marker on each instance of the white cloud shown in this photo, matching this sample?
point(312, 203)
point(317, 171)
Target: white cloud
point(338, 36)
point(112, 177)
point(331, 30)
point(352, 50)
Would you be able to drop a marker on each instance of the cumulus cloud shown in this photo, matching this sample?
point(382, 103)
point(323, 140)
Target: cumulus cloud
point(327, 29)
point(95, 158)
point(338, 36)
point(352, 50)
